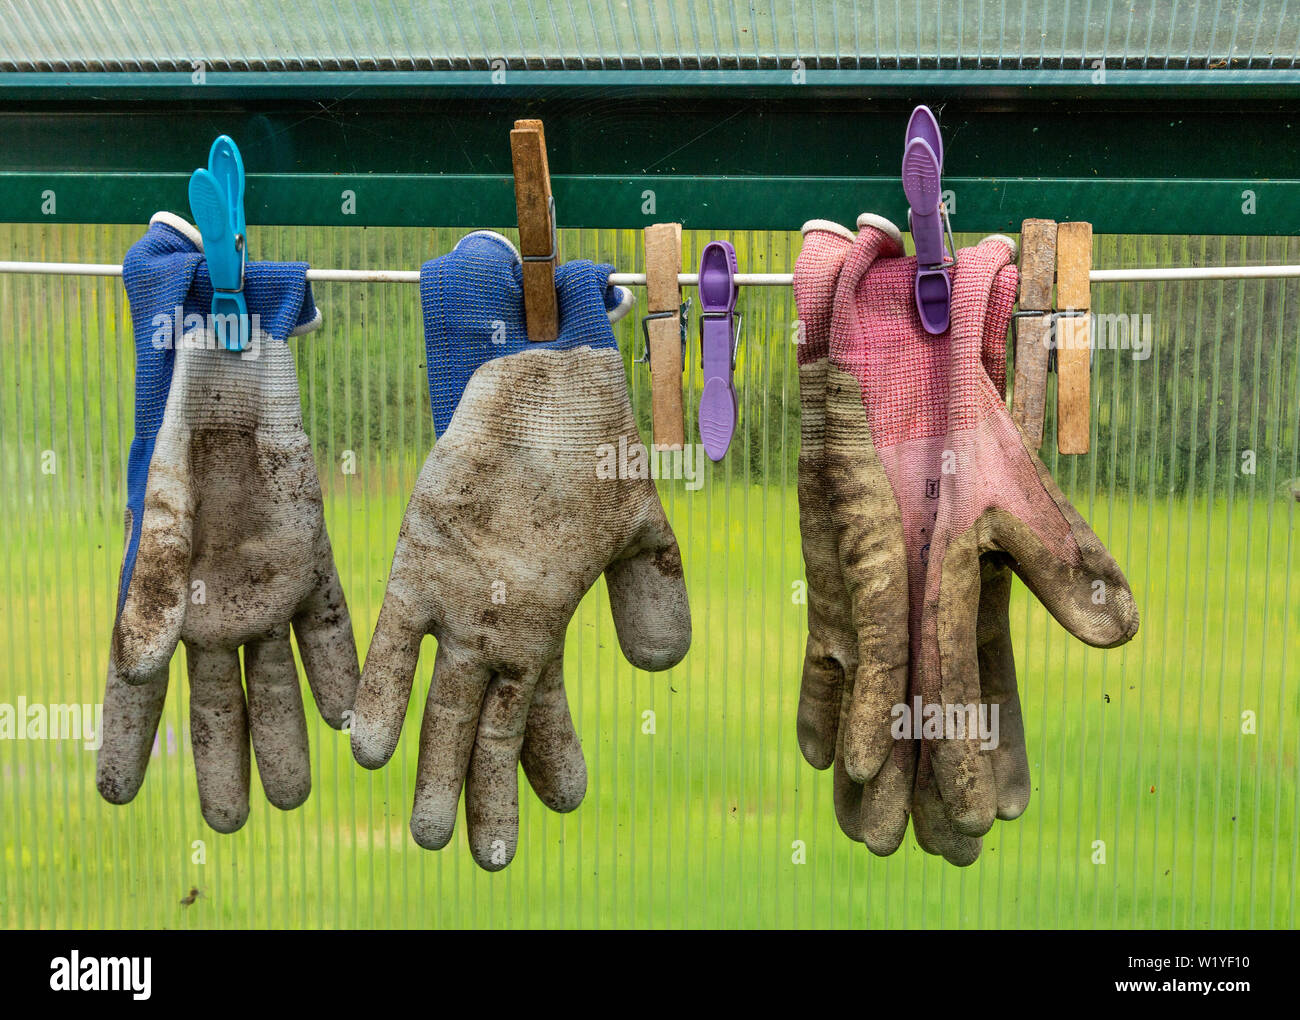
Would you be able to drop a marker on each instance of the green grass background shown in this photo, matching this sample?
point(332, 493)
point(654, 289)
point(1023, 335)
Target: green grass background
point(1140, 747)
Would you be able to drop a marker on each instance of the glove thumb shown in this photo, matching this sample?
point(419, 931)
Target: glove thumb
point(647, 597)
point(1086, 593)
point(156, 568)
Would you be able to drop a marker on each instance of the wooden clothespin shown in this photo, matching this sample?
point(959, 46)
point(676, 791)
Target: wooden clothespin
point(662, 323)
point(1034, 326)
point(535, 207)
point(1060, 253)
point(1073, 336)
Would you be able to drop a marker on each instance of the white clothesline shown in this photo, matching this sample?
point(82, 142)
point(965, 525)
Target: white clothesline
point(686, 279)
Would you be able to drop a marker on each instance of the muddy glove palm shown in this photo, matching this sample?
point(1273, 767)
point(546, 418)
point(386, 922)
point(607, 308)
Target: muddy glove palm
point(510, 523)
point(932, 440)
point(226, 541)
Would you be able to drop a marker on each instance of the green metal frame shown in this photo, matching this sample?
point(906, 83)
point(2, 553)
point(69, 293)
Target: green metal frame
point(1133, 151)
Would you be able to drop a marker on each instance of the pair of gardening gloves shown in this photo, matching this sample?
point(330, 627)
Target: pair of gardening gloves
point(508, 527)
point(918, 499)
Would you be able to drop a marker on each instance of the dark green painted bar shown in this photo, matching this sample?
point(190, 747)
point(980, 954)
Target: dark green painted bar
point(719, 136)
point(715, 203)
point(1142, 152)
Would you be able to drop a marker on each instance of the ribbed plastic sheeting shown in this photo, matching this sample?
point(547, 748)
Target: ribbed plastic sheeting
point(1165, 772)
point(66, 35)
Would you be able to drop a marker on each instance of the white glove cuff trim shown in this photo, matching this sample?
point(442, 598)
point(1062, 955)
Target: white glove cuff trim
point(626, 302)
point(880, 223)
point(179, 225)
point(496, 237)
point(1009, 242)
point(827, 225)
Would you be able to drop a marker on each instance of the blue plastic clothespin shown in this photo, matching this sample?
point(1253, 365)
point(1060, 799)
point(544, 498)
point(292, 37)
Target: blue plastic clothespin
point(928, 219)
point(217, 202)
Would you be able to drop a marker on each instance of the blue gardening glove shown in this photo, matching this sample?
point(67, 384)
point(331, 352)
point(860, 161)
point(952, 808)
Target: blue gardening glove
point(509, 525)
point(225, 538)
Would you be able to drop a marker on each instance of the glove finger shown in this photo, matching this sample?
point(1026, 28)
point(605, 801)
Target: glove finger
point(1008, 757)
point(820, 694)
point(880, 685)
point(492, 785)
point(831, 650)
point(831, 643)
point(848, 793)
point(552, 753)
point(817, 269)
point(131, 714)
point(323, 629)
point(993, 348)
point(875, 812)
point(886, 802)
point(385, 688)
point(219, 734)
point(848, 801)
point(1090, 597)
point(831, 662)
point(963, 775)
point(874, 564)
point(934, 832)
point(451, 717)
point(647, 595)
point(276, 720)
point(157, 593)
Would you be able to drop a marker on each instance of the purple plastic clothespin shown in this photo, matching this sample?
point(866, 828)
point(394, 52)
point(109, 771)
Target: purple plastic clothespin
point(928, 219)
point(718, 338)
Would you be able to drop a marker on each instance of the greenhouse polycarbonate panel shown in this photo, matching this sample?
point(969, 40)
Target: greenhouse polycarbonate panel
point(151, 35)
point(1165, 772)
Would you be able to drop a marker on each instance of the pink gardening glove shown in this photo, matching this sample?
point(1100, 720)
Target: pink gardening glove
point(946, 476)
